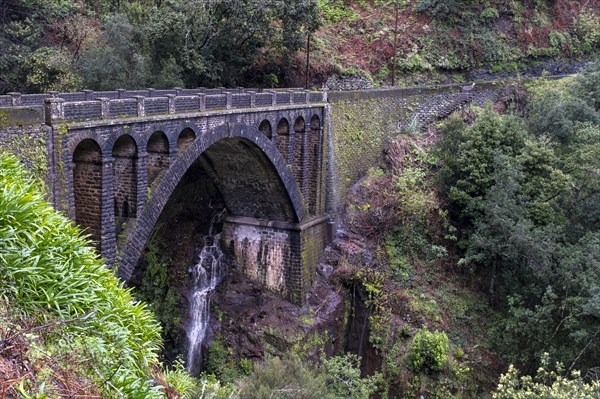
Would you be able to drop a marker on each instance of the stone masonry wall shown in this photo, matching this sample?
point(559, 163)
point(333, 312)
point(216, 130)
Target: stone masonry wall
point(281, 256)
point(262, 252)
point(363, 122)
point(313, 238)
point(23, 135)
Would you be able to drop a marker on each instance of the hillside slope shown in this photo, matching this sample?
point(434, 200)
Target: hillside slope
point(442, 40)
point(67, 45)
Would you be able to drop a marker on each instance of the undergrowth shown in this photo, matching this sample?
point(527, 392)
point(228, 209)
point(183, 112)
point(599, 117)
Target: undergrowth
point(81, 317)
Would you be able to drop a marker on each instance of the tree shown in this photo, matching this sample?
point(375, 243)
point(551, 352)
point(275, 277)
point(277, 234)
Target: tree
point(117, 62)
point(545, 384)
point(217, 43)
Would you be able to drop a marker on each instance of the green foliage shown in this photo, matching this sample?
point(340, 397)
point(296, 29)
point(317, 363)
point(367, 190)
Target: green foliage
point(333, 11)
point(158, 289)
point(545, 384)
point(178, 378)
point(283, 378)
point(437, 8)
point(587, 29)
point(470, 153)
point(48, 69)
point(49, 271)
point(219, 42)
point(529, 211)
point(220, 362)
point(344, 380)
point(210, 387)
point(118, 61)
point(429, 351)
point(490, 13)
point(65, 45)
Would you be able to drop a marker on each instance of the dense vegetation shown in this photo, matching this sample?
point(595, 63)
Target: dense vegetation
point(66, 45)
point(506, 204)
point(440, 39)
point(74, 44)
point(525, 192)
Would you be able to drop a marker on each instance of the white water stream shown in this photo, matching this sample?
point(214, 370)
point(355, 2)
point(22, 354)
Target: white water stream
point(206, 275)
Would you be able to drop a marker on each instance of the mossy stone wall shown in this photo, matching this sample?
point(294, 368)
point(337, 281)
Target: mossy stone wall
point(23, 135)
point(362, 122)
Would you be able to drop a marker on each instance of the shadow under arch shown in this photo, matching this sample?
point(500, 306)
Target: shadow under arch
point(246, 165)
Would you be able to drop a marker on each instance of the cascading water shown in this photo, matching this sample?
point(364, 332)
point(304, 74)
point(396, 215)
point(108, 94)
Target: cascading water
point(206, 275)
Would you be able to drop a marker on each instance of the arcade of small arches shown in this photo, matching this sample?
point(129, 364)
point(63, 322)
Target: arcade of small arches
point(116, 175)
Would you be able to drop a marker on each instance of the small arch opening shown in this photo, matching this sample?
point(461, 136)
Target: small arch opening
point(87, 188)
point(265, 128)
point(314, 178)
point(158, 155)
point(186, 137)
point(283, 138)
point(299, 153)
point(125, 179)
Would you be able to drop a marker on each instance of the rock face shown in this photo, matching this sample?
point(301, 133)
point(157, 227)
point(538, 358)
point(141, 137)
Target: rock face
point(255, 322)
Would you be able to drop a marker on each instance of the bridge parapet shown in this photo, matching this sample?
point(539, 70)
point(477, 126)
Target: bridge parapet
point(15, 99)
point(58, 109)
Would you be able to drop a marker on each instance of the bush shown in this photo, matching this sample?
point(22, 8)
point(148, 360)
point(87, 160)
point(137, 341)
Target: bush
point(545, 384)
point(343, 378)
point(429, 351)
point(283, 378)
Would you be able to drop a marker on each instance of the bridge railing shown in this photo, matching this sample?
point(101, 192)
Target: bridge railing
point(18, 99)
point(60, 109)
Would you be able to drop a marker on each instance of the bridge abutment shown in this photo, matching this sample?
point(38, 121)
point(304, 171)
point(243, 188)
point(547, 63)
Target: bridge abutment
point(281, 256)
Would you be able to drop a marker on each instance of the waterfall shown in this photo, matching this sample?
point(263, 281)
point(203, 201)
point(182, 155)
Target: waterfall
point(206, 275)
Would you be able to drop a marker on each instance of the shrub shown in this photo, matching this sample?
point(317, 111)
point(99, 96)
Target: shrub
point(282, 378)
point(545, 384)
point(429, 351)
point(490, 13)
point(343, 378)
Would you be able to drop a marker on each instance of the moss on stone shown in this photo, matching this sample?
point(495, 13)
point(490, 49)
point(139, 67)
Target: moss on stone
point(30, 146)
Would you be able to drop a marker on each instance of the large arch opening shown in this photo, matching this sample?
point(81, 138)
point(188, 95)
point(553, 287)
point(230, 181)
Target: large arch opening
point(87, 188)
point(237, 177)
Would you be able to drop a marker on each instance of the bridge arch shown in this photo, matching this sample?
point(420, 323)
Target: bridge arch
point(222, 147)
point(78, 138)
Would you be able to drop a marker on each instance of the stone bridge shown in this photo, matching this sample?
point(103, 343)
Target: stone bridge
point(118, 157)
point(281, 161)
